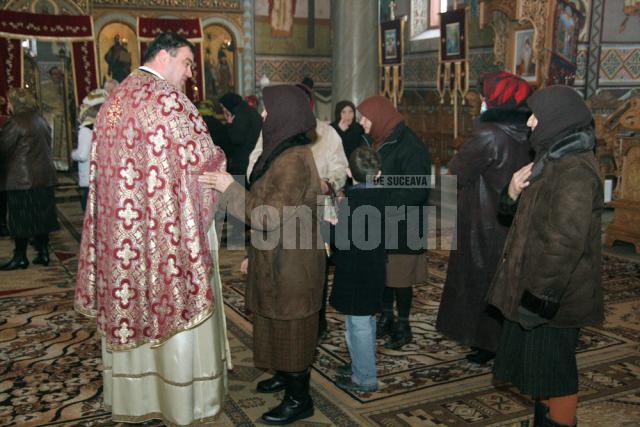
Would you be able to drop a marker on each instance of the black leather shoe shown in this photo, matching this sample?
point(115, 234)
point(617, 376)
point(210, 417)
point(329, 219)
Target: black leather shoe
point(273, 384)
point(18, 261)
point(480, 357)
point(400, 336)
point(297, 403)
point(384, 325)
point(42, 258)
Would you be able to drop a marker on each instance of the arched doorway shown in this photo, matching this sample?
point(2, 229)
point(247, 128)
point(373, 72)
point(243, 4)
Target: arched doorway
point(118, 52)
point(220, 61)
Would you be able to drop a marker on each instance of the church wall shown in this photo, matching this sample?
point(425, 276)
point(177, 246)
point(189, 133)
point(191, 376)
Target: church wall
point(608, 60)
point(287, 58)
point(620, 49)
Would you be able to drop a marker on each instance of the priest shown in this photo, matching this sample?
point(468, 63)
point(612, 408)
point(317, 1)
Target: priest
point(148, 263)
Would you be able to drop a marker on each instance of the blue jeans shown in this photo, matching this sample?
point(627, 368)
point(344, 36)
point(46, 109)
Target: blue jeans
point(361, 342)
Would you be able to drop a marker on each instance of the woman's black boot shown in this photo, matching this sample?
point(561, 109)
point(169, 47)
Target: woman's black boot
point(400, 336)
point(273, 384)
point(42, 246)
point(297, 403)
point(385, 324)
point(19, 260)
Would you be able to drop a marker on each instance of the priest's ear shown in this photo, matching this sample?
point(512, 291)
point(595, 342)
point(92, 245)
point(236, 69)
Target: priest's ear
point(163, 56)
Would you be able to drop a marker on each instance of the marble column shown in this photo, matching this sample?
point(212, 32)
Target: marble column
point(354, 26)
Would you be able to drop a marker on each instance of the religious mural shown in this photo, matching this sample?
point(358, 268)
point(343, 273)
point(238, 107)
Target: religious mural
point(219, 61)
point(117, 51)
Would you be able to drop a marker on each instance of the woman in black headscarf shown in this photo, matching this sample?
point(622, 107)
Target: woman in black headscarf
point(547, 284)
point(347, 127)
point(286, 264)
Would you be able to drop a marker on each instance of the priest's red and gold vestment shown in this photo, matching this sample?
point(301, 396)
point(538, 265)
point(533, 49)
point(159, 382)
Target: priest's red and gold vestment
point(148, 263)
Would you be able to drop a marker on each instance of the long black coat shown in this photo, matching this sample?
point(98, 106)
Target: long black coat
point(403, 153)
point(484, 165)
point(360, 273)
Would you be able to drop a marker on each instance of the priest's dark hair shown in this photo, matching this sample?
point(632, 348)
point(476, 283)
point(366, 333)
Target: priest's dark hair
point(170, 42)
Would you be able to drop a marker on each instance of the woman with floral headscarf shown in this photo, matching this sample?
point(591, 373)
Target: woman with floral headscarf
point(402, 153)
point(548, 282)
point(484, 164)
point(28, 176)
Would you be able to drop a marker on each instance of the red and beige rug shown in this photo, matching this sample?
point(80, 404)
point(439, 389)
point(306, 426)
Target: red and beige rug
point(50, 356)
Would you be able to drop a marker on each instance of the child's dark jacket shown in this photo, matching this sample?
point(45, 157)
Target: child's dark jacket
point(360, 273)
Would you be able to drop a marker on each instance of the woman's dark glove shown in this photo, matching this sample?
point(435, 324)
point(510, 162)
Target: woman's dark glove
point(535, 311)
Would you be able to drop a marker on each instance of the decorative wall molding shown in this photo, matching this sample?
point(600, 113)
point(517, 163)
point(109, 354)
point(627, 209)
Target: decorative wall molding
point(249, 48)
point(500, 25)
point(593, 59)
point(420, 69)
point(99, 23)
point(619, 65)
point(208, 5)
point(291, 69)
point(581, 65)
point(57, 7)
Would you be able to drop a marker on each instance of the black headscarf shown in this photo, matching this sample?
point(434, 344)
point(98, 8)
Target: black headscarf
point(352, 136)
point(560, 111)
point(289, 117)
point(231, 101)
point(338, 110)
point(565, 126)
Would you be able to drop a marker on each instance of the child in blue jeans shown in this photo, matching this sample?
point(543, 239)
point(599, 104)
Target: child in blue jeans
point(360, 259)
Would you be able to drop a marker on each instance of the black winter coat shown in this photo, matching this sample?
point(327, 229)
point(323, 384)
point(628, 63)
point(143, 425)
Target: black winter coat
point(553, 249)
point(242, 134)
point(484, 164)
point(403, 153)
point(351, 138)
point(358, 253)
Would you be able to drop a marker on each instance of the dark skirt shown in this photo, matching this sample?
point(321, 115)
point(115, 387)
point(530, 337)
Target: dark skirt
point(31, 212)
point(284, 345)
point(541, 363)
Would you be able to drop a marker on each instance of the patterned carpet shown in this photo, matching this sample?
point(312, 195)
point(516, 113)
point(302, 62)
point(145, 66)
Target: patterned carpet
point(50, 356)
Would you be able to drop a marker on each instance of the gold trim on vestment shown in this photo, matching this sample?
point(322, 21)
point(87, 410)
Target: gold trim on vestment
point(196, 321)
point(158, 416)
point(173, 383)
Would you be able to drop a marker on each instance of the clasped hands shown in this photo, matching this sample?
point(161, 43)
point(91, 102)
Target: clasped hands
point(218, 181)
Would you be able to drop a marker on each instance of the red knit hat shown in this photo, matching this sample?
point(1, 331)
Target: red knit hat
point(505, 90)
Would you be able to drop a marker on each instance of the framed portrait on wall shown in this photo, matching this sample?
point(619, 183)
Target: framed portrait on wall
point(391, 42)
point(453, 36)
point(568, 21)
point(521, 59)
